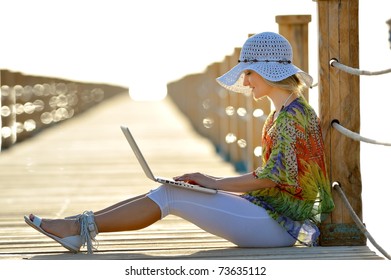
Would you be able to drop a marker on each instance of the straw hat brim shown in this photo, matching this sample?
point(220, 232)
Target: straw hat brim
point(272, 71)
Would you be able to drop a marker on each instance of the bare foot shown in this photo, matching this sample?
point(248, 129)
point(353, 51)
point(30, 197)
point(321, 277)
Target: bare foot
point(59, 227)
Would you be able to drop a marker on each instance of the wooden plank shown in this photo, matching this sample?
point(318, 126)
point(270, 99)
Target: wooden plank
point(207, 252)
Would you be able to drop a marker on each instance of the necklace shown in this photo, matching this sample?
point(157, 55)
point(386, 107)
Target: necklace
point(289, 97)
point(283, 106)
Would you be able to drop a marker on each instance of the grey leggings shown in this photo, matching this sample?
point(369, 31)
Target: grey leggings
point(223, 214)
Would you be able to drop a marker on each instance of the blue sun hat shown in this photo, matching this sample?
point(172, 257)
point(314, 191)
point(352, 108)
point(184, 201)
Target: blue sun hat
point(270, 55)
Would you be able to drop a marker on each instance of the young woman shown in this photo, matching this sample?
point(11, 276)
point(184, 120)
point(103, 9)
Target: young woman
point(276, 205)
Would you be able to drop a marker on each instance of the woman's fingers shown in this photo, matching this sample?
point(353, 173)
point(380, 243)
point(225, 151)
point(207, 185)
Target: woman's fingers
point(190, 177)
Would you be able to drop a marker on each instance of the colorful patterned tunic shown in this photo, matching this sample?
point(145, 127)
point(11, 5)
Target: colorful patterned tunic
point(293, 157)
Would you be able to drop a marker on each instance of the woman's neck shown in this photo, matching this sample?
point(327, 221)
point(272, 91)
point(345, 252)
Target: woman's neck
point(281, 98)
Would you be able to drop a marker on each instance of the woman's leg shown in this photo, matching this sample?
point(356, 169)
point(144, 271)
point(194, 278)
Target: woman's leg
point(135, 214)
point(226, 215)
point(118, 204)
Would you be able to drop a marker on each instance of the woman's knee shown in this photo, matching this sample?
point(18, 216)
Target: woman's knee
point(160, 197)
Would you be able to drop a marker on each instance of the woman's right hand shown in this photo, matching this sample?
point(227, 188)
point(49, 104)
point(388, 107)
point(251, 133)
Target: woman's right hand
point(197, 178)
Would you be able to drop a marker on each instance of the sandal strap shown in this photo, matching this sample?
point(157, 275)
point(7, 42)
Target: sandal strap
point(88, 230)
point(36, 221)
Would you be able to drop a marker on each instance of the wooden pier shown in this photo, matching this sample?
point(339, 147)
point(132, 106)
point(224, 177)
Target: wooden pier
point(85, 163)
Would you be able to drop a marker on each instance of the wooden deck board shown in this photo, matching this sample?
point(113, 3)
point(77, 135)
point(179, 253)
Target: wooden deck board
point(86, 163)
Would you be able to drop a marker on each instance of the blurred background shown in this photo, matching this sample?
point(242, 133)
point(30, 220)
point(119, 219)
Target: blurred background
point(143, 45)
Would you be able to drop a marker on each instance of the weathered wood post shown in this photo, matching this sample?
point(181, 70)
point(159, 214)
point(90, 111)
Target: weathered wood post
point(339, 99)
point(211, 121)
point(232, 136)
point(223, 104)
point(295, 29)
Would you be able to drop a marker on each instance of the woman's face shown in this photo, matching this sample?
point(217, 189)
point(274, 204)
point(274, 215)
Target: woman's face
point(258, 85)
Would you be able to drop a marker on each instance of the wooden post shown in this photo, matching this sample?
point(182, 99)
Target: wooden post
point(295, 29)
point(339, 99)
point(233, 97)
point(212, 120)
point(224, 119)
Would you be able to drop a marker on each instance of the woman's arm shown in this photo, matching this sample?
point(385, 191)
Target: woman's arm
point(242, 183)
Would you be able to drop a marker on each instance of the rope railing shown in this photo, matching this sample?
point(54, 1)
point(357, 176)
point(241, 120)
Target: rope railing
point(355, 136)
point(354, 71)
point(360, 225)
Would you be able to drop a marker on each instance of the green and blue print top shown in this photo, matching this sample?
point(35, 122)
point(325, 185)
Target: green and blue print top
point(293, 157)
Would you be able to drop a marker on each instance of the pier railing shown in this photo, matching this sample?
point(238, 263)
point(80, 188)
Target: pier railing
point(32, 103)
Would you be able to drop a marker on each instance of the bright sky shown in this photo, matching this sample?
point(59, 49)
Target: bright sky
point(140, 44)
point(145, 44)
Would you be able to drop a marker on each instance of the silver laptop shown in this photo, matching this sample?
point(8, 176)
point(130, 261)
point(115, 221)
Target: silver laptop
point(149, 174)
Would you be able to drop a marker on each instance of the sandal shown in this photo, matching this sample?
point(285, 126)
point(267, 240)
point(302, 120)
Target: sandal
point(88, 232)
point(72, 243)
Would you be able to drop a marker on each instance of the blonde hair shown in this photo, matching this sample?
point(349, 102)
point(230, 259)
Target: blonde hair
point(292, 84)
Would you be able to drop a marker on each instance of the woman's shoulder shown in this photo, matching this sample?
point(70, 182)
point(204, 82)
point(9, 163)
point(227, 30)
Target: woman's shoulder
point(297, 114)
point(300, 110)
